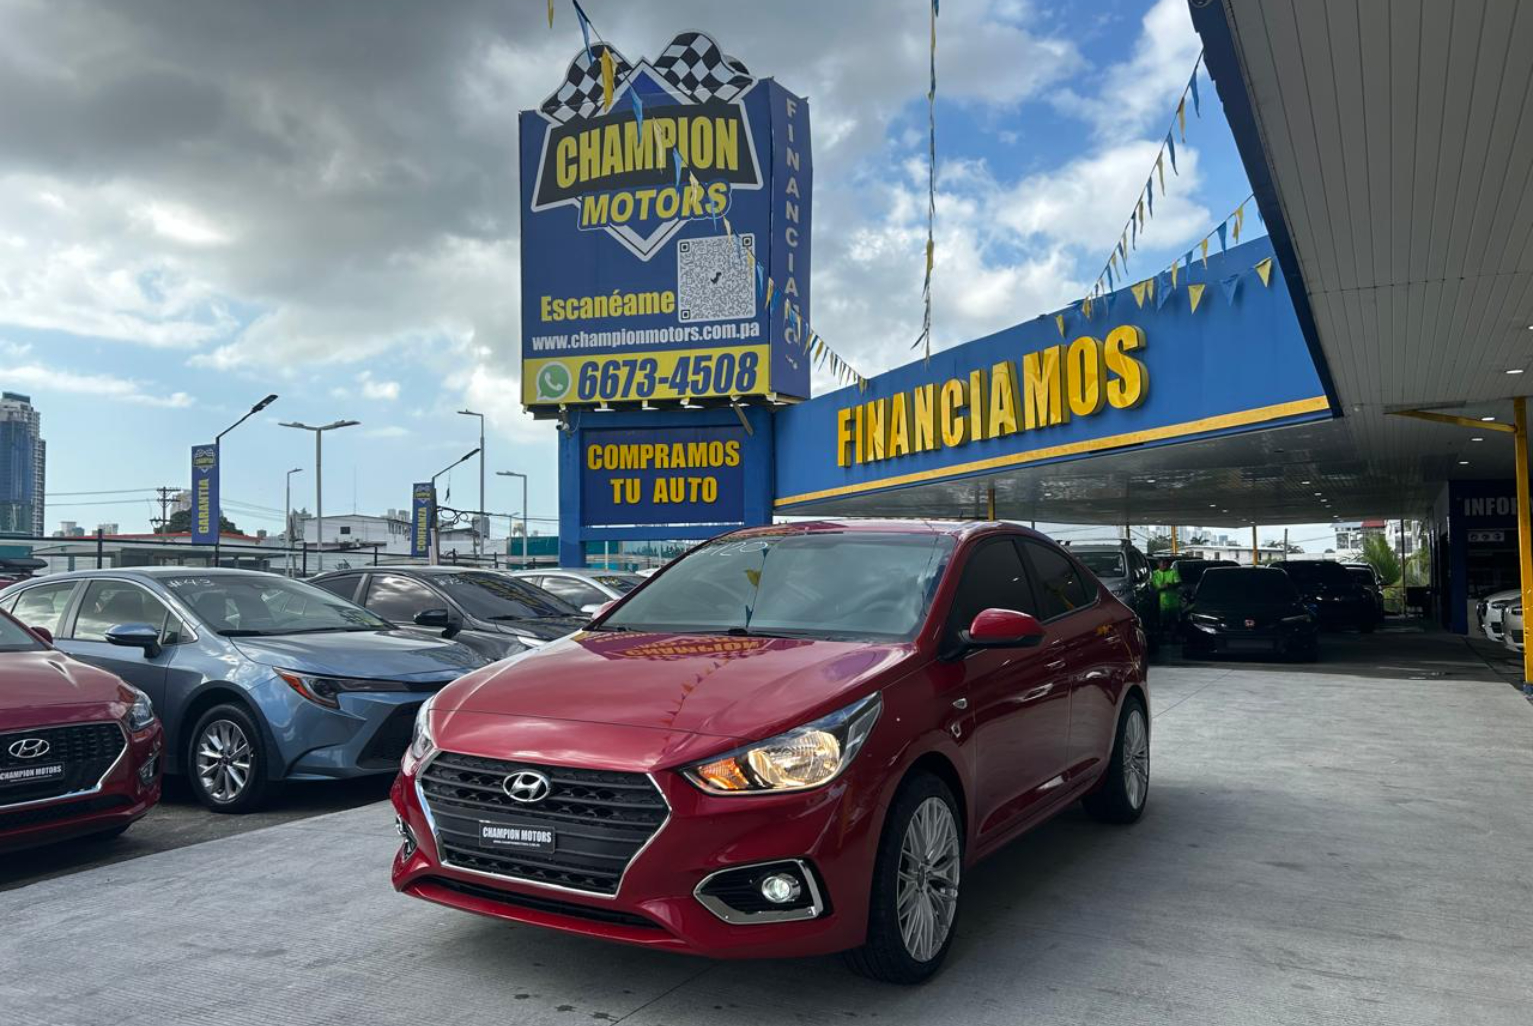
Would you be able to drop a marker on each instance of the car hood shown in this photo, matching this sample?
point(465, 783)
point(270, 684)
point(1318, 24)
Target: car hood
point(1247, 609)
point(38, 683)
point(745, 688)
point(378, 655)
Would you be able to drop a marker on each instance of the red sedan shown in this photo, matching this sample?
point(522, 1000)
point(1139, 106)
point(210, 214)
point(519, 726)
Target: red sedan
point(79, 749)
point(792, 741)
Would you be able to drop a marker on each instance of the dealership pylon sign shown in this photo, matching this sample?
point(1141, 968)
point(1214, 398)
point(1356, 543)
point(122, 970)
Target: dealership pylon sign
point(653, 216)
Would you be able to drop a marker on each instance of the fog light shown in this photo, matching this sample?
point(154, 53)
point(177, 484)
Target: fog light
point(147, 771)
point(780, 888)
point(403, 830)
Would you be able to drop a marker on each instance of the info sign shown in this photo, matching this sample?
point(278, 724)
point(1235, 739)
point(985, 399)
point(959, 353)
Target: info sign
point(664, 233)
point(663, 475)
point(205, 510)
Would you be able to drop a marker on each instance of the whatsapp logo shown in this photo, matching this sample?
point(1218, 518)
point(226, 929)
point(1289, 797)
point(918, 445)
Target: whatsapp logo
point(553, 382)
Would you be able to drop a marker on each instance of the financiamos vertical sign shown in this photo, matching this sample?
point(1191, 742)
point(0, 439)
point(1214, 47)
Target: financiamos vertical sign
point(1045, 388)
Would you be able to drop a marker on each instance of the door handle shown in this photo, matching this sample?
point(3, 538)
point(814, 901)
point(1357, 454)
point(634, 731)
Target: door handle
point(960, 704)
point(1036, 693)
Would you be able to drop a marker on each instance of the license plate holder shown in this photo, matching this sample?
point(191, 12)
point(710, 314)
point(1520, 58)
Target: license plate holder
point(22, 776)
point(518, 837)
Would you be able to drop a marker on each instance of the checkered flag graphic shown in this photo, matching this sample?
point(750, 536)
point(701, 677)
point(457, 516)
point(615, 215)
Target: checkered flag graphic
point(694, 64)
point(580, 95)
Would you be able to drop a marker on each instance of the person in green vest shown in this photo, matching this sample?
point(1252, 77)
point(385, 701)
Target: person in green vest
point(1168, 585)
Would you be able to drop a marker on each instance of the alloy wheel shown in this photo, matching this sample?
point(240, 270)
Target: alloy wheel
point(1136, 759)
point(223, 760)
point(927, 896)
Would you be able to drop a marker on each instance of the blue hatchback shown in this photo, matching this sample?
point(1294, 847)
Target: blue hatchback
point(257, 678)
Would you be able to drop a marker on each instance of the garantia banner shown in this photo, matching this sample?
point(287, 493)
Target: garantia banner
point(205, 512)
point(422, 505)
point(665, 232)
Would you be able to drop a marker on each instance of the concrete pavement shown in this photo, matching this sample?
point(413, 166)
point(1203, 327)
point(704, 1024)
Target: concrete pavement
point(1318, 848)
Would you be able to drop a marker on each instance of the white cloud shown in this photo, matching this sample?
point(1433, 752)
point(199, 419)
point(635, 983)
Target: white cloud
point(391, 431)
point(1140, 94)
point(372, 388)
point(52, 379)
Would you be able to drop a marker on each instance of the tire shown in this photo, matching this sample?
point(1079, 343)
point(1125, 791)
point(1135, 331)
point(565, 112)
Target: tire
point(242, 786)
point(1125, 789)
point(924, 808)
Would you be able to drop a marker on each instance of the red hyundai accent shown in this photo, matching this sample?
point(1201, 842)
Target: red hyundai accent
point(79, 749)
point(792, 741)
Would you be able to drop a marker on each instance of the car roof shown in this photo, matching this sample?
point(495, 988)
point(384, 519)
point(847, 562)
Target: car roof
point(153, 573)
point(954, 528)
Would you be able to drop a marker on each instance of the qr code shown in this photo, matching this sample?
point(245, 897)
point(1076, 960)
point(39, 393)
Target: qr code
point(715, 281)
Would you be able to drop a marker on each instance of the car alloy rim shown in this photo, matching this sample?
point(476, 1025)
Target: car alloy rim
point(927, 896)
point(223, 760)
point(1136, 758)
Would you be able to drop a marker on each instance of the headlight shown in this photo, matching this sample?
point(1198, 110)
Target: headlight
point(804, 757)
point(421, 742)
point(326, 691)
point(141, 715)
point(1203, 618)
point(1300, 618)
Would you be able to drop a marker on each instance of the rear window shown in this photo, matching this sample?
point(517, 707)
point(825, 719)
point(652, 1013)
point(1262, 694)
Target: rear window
point(1103, 563)
point(1227, 584)
point(1317, 570)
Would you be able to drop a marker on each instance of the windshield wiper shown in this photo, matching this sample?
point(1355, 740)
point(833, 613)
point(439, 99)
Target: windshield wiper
point(617, 628)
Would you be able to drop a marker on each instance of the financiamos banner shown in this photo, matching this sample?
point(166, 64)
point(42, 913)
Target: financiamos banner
point(1056, 384)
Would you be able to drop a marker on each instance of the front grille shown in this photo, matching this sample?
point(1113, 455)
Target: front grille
point(542, 904)
point(64, 810)
point(85, 750)
point(600, 820)
point(388, 745)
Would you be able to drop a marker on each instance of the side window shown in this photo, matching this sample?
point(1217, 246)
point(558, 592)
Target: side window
point(576, 593)
point(398, 599)
point(993, 578)
point(1061, 587)
point(43, 606)
point(110, 603)
point(9, 602)
point(345, 585)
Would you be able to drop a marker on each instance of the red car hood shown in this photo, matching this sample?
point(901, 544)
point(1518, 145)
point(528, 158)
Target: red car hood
point(726, 687)
point(40, 687)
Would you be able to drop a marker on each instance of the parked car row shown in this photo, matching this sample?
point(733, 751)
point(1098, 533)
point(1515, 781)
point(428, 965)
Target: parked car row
point(794, 740)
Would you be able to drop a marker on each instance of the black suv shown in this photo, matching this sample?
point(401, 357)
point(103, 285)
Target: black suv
point(1335, 595)
point(1126, 572)
point(491, 613)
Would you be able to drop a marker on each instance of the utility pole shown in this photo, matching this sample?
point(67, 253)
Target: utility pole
point(319, 494)
point(164, 522)
point(512, 473)
point(1285, 543)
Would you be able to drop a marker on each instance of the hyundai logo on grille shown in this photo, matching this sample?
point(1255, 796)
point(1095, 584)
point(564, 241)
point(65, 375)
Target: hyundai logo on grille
point(526, 786)
point(31, 748)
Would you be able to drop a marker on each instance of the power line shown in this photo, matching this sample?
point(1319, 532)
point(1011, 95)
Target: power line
point(106, 491)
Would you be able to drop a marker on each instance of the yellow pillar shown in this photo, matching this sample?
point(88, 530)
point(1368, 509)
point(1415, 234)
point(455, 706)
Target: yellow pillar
point(1174, 549)
point(990, 497)
point(1256, 557)
point(1524, 529)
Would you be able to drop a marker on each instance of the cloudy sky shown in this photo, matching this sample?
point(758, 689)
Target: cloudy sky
point(204, 202)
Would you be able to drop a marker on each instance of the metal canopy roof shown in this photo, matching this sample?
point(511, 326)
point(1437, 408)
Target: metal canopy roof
point(1390, 146)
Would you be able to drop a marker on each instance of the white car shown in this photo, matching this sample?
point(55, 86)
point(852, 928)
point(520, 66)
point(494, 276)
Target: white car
point(1492, 607)
point(1511, 623)
point(586, 588)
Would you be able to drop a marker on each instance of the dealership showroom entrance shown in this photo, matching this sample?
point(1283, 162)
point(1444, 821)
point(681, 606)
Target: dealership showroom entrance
point(1339, 835)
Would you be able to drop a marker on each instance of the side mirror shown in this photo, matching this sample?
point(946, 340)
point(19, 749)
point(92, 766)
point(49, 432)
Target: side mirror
point(442, 619)
point(43, 633)
point(1002, 628)
point(136, 635)
point(597, 610)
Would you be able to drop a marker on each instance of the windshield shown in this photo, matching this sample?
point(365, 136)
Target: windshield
point(240, 606)
point(1245, 587)
point(620, 583)
point(1103, 563)
point(850, 585)
point(16, 638)
point(488, 596)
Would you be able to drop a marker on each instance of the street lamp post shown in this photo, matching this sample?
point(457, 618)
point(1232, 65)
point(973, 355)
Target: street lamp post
point(319, 476)
point(287, 513)
point(512, 473)
point(478, 540)
point(436, 537)
point(218, 531)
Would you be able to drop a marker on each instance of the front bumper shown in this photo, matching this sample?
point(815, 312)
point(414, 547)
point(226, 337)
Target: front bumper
point(367, 735)
point(126, 792)
point(831, 831)
point(1234, 640)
